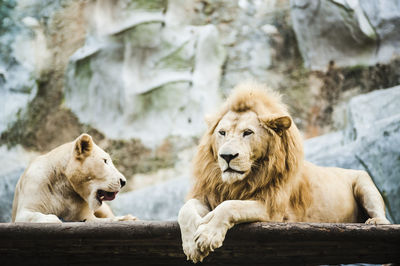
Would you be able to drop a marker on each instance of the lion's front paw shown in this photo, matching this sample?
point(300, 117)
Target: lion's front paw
point(192, 252)
point(127, 217)
point(377, 220)
point(208, 238)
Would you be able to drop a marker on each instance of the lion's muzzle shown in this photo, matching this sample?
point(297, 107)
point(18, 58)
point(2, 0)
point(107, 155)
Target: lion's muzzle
point(229, 157)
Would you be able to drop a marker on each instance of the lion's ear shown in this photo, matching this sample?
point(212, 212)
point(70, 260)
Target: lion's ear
point(83, 146)
point(279, 124)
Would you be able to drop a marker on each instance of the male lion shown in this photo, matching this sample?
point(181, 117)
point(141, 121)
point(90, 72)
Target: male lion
point(69, 183)
point(250, 167)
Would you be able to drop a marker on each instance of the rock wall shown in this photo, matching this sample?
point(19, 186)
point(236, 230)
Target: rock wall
point(348, 32)
point(147, 75)
point(14, 162)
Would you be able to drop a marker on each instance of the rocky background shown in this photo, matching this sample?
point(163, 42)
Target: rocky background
point(140, 75)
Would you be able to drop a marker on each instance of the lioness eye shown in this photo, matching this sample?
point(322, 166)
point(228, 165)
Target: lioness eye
point(221, 132)
point(247, 132)
point(105, 161)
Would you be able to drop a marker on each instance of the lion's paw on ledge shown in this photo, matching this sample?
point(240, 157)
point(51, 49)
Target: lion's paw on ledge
point(377, 220)
point(209, 238)
point(193, 253)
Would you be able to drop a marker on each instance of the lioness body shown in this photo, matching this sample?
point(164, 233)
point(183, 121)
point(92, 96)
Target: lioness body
point(250, 167)
point(59, 186)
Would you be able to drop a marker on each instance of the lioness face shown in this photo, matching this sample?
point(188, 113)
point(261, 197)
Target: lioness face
point(93, 174)
point(238, 143)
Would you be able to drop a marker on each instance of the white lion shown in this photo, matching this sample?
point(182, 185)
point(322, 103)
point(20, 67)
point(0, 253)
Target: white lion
point(249, 167)
point(69, 183)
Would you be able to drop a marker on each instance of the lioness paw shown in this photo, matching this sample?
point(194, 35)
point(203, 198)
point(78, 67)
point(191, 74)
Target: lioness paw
point(209, 238)
point(377, 220)
point(127, 217)
point(50, 218)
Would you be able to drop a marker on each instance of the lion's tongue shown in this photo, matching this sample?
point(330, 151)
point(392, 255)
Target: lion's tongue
point(104, 195)
point(110, 195)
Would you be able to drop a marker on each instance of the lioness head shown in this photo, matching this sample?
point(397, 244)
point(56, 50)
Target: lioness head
point(242, 138)
point(92, 173)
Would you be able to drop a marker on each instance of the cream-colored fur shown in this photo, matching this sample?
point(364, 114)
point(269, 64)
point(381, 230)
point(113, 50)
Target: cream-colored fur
point(249, 167)
point(69, 184)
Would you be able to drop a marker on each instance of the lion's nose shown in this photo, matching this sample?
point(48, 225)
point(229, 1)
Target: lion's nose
point(229, 157)
point(122, 182)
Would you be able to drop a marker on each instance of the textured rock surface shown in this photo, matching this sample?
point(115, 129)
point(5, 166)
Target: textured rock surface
point(365, 111)
point(7, 186)
point(13, 163)
point(162, 72)
point(347, 32)
point(16, 82)
point(158, 202)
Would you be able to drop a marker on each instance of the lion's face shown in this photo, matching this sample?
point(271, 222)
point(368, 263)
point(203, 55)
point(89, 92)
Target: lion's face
point(238, 142)
point(93, 174)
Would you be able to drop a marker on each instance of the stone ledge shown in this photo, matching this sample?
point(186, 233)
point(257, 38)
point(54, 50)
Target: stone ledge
point(159, 243)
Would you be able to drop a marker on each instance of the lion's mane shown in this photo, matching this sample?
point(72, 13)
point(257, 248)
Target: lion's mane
point(274, 177)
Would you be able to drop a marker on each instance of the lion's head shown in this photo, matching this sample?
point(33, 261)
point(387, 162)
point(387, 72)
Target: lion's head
point(251, 145)
point(92, 173)
point(241, 140)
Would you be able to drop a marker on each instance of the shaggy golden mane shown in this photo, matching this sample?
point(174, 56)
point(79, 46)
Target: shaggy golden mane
point(274, 177)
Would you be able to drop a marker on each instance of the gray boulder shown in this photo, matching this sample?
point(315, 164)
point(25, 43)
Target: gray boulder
point(349, 32)
point(13, 163)
point(157, 202)
point(365, 111)
point(7, 187)
point(324, 151)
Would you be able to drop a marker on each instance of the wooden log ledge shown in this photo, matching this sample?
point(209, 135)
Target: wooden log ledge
point(159, 243)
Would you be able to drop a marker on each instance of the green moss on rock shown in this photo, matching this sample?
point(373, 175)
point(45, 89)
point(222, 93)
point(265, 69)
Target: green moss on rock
point(150, 5)
point(177, 59)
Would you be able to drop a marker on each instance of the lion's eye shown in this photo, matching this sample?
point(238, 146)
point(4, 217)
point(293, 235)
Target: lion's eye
point(105, 161)
point(247, 132)
point(222, 133)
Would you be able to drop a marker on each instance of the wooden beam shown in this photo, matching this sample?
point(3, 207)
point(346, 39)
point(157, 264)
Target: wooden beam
point(159, 243)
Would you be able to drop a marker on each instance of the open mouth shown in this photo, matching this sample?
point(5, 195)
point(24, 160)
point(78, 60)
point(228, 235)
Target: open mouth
point(231, 170)
point(105, 195)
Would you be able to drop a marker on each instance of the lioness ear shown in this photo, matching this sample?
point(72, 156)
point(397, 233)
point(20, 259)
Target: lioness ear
point(280, 124)
point(83, 146)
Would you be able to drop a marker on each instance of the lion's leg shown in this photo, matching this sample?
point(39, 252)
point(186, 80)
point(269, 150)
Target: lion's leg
point(93, 218)
point(189, 218)
point(104, 211)
point(211, 233)
point(102, 214)
point(369, 197)
point(36, 217)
